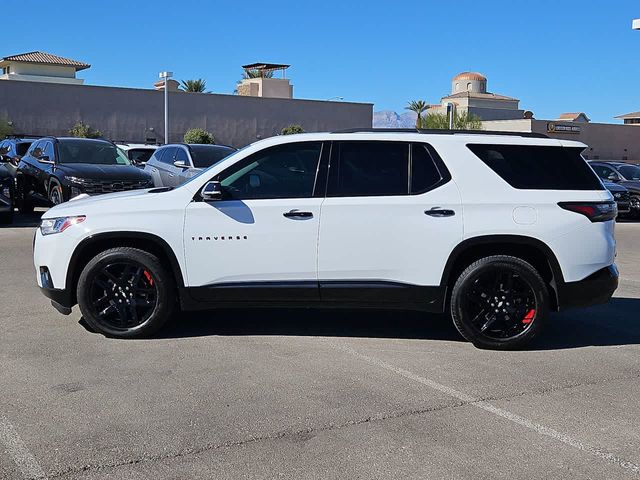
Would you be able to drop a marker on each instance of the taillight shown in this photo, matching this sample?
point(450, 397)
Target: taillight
point(594, 211)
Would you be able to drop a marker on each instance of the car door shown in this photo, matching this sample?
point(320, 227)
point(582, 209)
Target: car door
point(180, 173)
point(32, 170)
point(152, 166)
point(166, 168)
point(390, 220)
point(259, 242)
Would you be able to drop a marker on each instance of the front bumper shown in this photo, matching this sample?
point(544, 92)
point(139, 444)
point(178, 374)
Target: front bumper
point(596, 289)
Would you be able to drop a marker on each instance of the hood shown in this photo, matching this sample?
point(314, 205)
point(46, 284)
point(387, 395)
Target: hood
point(631, 185)
point(614, 187)
point(102, 172)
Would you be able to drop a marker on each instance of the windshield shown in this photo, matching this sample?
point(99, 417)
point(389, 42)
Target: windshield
point(97, 153)
point(206, 155)
point(630, 172)
point(22, 147)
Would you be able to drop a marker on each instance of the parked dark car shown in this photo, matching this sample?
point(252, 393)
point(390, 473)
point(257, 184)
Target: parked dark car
point(7, 191)
point(55, 170)
point(16, 147)
point(625, 174)
point(173, 164)
point(621, 195)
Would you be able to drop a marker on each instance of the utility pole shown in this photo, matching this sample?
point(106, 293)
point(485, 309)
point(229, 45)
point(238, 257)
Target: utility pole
point(166, 76)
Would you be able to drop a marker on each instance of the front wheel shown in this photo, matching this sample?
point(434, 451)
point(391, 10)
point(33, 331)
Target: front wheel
point(56, 196)
point(500, 302)
point(126, 293)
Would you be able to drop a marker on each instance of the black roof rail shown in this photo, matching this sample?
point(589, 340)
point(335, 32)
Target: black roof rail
point(20, 135)
point(441, 132)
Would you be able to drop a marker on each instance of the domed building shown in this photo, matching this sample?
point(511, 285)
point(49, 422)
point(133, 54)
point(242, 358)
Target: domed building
point(469, 94)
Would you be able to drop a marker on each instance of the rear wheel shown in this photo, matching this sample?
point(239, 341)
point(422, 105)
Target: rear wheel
point(126, 293)
point(635, 206)
point(499, 302)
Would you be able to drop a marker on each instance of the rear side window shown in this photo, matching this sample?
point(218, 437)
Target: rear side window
point(167, 155)
point(371, 169)
point(537, 167)
point(424, 172)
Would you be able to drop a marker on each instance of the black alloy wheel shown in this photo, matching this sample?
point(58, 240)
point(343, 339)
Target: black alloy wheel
point(499, 302)
point(125, 292)
point(123, 295)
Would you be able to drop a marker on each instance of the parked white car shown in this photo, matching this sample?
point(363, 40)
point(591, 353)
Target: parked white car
point(499, 230)
point(138, 153)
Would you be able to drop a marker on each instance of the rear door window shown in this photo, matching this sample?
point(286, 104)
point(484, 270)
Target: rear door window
point(369, 169)
point(168, 155)
point(535, 167)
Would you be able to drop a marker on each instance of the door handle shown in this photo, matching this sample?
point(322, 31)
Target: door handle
point(439, 212)
point(171, 175)
point(297, 214)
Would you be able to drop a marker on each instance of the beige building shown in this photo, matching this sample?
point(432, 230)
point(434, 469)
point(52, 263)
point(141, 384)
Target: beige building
point(606, 141)
point(259, 81)
point(469, 94)
point(41, 67)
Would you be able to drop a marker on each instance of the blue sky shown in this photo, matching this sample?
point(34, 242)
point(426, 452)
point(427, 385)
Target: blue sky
point(556, 56)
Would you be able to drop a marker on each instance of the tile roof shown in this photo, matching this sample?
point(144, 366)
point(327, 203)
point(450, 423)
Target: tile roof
point(629, 115)
point(45, 58)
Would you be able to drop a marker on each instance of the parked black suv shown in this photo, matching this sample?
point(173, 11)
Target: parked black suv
point(55, 170)
point(625, 174)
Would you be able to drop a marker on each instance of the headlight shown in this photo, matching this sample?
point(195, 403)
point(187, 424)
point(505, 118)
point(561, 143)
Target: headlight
point(60, 224)
point(78, 180)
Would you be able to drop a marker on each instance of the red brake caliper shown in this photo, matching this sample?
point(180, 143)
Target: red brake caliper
point(528, 318)
point(148, 276)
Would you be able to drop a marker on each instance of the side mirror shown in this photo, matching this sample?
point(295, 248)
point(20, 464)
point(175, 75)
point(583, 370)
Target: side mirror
point(211, 191)
point(614, 177)
point(180, 164)
point(44, 159)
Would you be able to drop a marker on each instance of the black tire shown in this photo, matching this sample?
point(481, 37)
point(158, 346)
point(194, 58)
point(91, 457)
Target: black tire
point(500, 302)
point(635, 207)
point(103, 301)
point(6, 218)
point(56, 195)
point(23, 203)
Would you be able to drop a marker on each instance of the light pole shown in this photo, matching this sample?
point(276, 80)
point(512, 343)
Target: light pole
point(166, 76)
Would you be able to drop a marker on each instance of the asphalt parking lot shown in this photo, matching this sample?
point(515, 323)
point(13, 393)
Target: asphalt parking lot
point(315, 394)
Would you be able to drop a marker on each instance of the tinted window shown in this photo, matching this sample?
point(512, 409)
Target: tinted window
point(369, 169)
point(140, 155)
point(206, 155)
point(36, 149)
point(48, 150)
point(424, 172)
point(284, 171)
point(538, 167)
point(603, 171)
point(93, 152)
point(181, 156)
point(167, 155)
point(630, 172)
point(22, 147)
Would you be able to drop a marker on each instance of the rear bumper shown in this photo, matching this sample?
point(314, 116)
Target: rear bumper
point(593, 290)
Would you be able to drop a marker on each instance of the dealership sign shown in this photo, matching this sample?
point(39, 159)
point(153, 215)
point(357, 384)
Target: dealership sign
point(553, 127)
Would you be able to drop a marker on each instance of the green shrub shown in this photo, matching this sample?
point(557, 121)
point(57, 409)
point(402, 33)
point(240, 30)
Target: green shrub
point(198, 135)
point(82, 130)
point(5, 128)
point(292, 129)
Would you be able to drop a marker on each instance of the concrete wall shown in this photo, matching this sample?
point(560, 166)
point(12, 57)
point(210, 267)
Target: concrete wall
point(606, 141)
point(266, 87)
point(135, 114)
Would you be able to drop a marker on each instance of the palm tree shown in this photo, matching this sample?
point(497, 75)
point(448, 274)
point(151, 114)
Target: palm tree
point(193, 86)
point(255, 73)
point(418, 106)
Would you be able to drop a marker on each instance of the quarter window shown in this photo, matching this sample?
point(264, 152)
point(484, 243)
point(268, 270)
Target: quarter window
point(283, 171)
point(424, 173)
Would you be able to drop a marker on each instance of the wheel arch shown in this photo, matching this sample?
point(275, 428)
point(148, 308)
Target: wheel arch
point(91, 246)
point(530, 249)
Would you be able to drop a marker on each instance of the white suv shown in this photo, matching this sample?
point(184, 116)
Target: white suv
point(498, 229)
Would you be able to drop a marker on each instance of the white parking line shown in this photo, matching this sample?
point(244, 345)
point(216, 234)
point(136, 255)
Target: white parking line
point(486, 406)
point(18, 451)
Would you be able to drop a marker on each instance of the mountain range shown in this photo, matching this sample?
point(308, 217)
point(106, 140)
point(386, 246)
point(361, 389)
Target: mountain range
point(391, 119)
